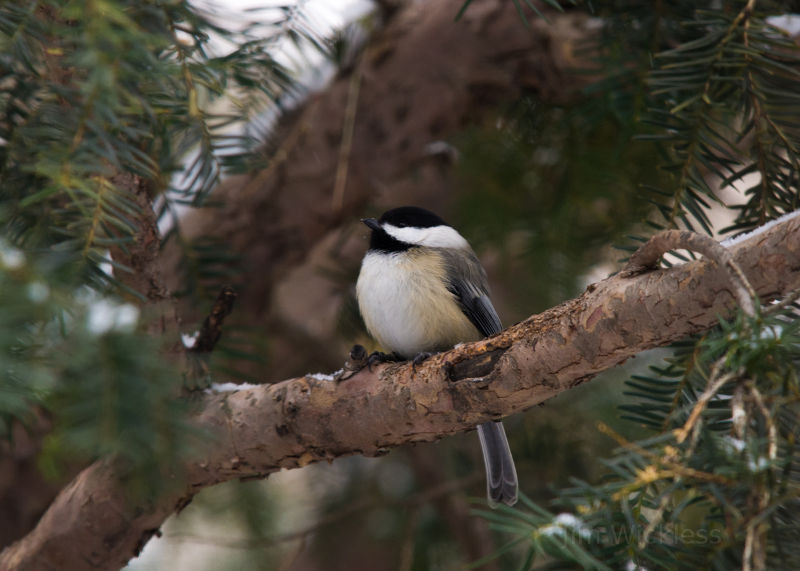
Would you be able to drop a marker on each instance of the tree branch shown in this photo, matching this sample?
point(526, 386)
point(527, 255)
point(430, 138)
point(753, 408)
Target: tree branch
point(299, 421)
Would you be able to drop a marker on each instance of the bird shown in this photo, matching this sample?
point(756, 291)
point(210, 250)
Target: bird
point(421, 289)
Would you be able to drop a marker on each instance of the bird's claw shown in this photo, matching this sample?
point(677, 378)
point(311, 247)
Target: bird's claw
point(356, 361)
point(377, 357)
point(420, 358)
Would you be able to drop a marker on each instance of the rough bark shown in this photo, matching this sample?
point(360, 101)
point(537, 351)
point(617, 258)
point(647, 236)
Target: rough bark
point(299, 421)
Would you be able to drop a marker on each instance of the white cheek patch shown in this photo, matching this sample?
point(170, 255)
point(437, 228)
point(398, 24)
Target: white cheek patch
point(436, 237)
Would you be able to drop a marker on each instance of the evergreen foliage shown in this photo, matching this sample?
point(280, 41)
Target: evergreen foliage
point(74, 355)
point(92, 91)
point(715, 483)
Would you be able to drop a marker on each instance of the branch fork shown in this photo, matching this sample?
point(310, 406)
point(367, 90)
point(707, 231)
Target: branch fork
point(647, 257)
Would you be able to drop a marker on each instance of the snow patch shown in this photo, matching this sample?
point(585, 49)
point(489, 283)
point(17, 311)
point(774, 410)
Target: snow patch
point(760, 230)
point(324, 376)
point(231, 387)
point(789, 23)
point(189, 339)
point(734, 443)
point(565, 523)
point(758, 465)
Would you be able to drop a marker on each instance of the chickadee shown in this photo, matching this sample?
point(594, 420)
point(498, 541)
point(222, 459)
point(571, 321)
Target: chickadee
point(422, 289)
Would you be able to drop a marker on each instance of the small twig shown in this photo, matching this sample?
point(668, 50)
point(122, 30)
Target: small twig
point(407, 550)
point(656, 519)
point(772, 433)
point(673, 468)
point(647, 256)
point(682, 433)
point(198, 374)
point(783, 304)
point(697, 411)
point(738, 412)
point(747, 555)
point(337, 200)
point(211, 331)
point(754, 555)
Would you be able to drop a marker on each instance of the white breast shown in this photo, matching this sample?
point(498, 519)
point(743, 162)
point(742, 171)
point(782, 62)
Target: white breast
point(406, 306)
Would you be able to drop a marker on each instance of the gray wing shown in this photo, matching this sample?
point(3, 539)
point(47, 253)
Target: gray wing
point(467, 281)
point(469, 285)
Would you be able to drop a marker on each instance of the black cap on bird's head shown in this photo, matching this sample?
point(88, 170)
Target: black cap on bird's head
point(396, 218)
point(411, 216)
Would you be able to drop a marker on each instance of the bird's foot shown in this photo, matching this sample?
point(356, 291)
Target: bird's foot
point(420, 358)
point(377, 357)
point(356, 360)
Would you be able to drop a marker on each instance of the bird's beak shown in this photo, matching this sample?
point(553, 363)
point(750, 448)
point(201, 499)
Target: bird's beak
point(372, 223)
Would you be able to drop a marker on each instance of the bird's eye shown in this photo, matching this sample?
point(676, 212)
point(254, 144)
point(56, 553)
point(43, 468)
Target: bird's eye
point(401, 224)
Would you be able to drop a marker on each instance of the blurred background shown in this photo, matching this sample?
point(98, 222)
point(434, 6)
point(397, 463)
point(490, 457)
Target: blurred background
point(527, 125)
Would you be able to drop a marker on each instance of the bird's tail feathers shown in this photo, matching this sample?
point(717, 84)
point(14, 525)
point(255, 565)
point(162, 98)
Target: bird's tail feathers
point(501, 476)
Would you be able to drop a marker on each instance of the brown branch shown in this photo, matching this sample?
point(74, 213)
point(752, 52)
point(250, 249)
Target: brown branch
point(299, 421)
point(648, 255)
point(141, 255)
point(198, 374)
point(211, 331)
